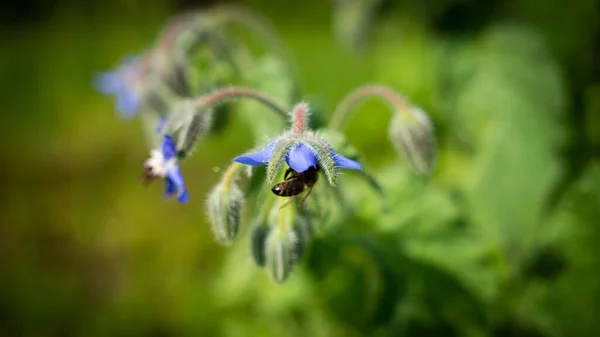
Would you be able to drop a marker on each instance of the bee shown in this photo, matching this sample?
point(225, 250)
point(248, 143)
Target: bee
point(147, 176)
point(295, 183)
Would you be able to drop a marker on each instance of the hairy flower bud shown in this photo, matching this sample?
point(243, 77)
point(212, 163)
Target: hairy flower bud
point(258, 238)
point(303, 232)
point(280, 253)
point(411, 133)
point(281, 244)
point(223, 209)
point(199, 125)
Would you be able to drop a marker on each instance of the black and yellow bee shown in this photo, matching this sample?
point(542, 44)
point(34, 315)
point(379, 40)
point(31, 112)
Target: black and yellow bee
point(295, 183)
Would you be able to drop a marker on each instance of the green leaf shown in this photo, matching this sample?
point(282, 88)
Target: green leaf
point(512, 106)
point(570, 304)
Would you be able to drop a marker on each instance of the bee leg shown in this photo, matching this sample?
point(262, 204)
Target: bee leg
point(305, 196)
point(287, 202)
point(287, 172)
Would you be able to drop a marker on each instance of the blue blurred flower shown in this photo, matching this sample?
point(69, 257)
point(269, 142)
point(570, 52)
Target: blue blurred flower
point(163, 164)
point(124, 83)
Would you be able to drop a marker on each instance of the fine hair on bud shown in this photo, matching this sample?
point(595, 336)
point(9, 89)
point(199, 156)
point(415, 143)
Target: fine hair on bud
point(199, 125)
point(280, 248)
point(223, 209)
point(280, 252)
point(180, 116)
point(411, 133)
point(258, 241)
point(300, 117)
point(303, 232)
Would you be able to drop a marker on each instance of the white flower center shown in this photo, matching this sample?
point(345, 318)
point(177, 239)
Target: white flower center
point(158, 165)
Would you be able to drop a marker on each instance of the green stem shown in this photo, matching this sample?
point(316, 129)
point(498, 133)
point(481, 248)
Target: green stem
point(225, 94)
point(342, 112)
point(231, 174)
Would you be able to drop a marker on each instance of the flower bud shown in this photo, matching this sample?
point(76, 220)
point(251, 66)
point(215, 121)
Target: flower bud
point(411, 133)
point(279, 252)
point(199, 125)
point(303, 232)
point(223, 210)
point(281, 244)
point(258, 238)
point(189, 120)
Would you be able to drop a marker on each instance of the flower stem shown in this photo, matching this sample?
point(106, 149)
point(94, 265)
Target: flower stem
point(343, 110)
point(231, 174)
point(224, 94)
point(172, 30)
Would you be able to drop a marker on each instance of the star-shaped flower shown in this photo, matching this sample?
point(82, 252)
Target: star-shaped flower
point(163, 164)
point(299, 158)
point(301, 149)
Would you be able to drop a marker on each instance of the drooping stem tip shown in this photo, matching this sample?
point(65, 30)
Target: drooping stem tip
point(231, 174)
point(224, 94)
point(342, 112)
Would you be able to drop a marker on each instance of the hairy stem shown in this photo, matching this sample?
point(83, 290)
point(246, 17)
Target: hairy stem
point(342, 112)
point(231, 174)
point(225, 94)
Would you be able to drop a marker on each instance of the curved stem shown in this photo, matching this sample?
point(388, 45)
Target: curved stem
point(199, 105)
point(224, 94)
point(231, 174)
point(168, 35)
point(342, 112)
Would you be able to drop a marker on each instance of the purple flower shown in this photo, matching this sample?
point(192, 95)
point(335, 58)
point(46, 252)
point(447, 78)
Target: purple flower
point(163, 164)
point(124, 84)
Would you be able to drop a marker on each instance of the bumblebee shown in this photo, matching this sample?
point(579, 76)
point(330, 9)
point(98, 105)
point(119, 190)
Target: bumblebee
point(295, 183)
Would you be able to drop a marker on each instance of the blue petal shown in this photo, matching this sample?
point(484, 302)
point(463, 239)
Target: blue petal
point(161, 124)
point(301, 158)
point(108, 83)
point(128, 103)
point(174, 182)
point(343, 162)
point(183, 197)
point(257, 158)
point(169, 188)
point(168, 148)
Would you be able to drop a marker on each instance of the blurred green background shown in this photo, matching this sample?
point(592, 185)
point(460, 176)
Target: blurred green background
point(500, 240)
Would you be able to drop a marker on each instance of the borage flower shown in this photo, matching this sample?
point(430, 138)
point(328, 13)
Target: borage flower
point(125, 84)
point(304, 151)
point(163, 164)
